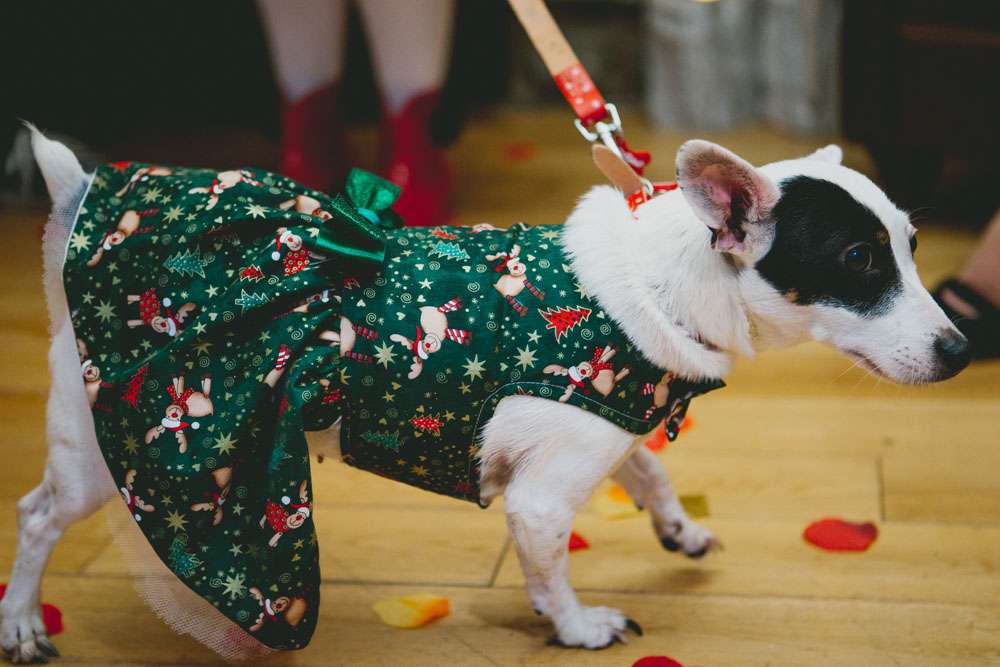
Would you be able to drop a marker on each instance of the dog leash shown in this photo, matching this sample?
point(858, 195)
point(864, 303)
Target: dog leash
point(597, 120)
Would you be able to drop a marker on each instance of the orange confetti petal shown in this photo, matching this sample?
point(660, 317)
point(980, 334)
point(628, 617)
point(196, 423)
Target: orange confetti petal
point(519, 152)
point(412, 611)
point(658, 440)
point(577, 542)
point(840, 535)
point(614, 503)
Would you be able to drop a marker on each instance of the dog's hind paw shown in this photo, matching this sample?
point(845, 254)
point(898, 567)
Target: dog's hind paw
point(594, 628)
point(690, 539)
point(24, 640)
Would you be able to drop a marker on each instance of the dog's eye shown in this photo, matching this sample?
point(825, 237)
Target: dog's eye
point(858, 257)
point(913, 243)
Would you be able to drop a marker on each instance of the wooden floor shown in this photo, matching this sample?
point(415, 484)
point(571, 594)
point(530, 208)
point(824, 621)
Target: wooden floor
point(797, 436)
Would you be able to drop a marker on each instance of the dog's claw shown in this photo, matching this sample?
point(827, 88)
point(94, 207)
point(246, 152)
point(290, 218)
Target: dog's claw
point(47, 647)
point(632, 625)
point(538, 612)
point(670, 544)
point(699, 553)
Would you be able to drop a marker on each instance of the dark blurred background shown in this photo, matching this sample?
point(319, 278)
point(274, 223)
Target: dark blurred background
point(916, 82)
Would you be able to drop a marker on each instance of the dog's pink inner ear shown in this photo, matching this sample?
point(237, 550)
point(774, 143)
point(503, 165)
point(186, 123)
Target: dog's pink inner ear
point(725, 191)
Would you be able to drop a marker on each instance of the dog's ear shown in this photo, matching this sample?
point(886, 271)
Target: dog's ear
point(728, 194)
point(831, 153)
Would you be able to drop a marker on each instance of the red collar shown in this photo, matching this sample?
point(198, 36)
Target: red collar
point(641, 196)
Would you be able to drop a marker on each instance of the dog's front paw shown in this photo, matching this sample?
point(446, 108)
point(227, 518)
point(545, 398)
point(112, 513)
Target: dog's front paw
point(689, 538)
point(23, 639)
point(594, 628)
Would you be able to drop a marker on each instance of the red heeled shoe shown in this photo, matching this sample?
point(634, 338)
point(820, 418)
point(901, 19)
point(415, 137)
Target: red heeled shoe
point(417, 165)
point(313, 151)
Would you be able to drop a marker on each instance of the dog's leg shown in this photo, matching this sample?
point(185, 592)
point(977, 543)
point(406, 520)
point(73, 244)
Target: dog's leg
point(550, 477)
point(75, 484)
point(647, 483)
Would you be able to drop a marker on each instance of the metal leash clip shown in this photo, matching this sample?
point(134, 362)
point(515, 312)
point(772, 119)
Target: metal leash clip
point(607, 131)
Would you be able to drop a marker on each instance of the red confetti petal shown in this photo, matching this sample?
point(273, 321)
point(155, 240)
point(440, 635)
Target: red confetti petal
point(657, 441)
point(656, 661)
point(51, 616)
point(519, 152)
point(840, 535)
point(577, 542)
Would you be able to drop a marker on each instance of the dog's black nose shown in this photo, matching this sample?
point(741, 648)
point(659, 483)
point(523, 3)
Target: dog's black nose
point(953, 352)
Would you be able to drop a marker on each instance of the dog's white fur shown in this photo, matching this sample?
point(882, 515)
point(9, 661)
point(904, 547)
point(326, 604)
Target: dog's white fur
point(685, 305)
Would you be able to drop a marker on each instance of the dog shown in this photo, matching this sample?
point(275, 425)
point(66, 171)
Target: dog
point(736, 259)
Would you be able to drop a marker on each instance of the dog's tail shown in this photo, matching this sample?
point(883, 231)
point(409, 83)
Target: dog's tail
point(67, 184)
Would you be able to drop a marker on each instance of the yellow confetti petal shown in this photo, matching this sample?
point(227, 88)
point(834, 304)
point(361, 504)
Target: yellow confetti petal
point(412, 611)
point(613, 502)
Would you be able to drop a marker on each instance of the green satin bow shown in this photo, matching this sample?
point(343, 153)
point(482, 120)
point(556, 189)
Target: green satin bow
point(359, 221)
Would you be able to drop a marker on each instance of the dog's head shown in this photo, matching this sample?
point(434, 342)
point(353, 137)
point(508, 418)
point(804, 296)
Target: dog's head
point(823, 253)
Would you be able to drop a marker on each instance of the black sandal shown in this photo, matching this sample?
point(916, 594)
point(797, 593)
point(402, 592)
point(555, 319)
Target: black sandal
point(983, 330)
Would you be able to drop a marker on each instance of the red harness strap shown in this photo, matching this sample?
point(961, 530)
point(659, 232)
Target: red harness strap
point(641, 196)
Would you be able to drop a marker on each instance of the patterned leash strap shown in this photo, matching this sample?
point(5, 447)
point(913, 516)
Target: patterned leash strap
point(596, 119)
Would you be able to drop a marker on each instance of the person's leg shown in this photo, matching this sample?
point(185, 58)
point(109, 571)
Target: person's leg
point(982, 270)
point(306, 40)
point(973, 300)
point(411, 47)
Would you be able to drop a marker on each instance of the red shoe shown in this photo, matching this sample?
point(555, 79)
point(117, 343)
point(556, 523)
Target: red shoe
point(312, 143)
point(417, 165)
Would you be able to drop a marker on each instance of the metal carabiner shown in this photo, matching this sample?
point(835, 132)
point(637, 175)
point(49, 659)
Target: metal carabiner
point(604, 131)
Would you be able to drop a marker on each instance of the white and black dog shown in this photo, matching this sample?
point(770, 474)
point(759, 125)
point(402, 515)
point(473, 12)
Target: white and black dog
point(736, 259)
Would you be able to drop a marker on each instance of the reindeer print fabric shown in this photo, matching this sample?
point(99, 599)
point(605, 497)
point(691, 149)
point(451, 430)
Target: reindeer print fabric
point(206, 325)
point(460, 318)
point(221, 315)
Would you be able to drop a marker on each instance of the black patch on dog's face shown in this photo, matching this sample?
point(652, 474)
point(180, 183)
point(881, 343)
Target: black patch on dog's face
point(816, 221)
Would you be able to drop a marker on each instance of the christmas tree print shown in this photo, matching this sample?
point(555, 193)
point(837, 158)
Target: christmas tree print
point(389, 440)
point(430, 424)
point(562, 319)
point(449, 250)
point(182, 562)
point(247, 300)
point(253, 273)
point(187, 263)
point(131, 393)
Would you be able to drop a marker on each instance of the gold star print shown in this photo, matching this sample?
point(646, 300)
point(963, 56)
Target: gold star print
point(298, 544)
point(526, 358)
point(202, 347)
point(388, 398)
point(236, 549)
point(533, 336)
point(384, 355)
point(474, 367)
point(88, 297)
point(79, 241)
point(211, 291)
point(419, 471)
point(464, 388)
point(172, 214)
point(176, 521)
point(151, 195)
point(256, 211)
point(225, 443)
point(131, 444)
point(425, 284)
point(105, 311)
point(449, 416)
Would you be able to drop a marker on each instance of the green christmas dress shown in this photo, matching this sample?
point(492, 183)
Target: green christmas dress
point(221, 315)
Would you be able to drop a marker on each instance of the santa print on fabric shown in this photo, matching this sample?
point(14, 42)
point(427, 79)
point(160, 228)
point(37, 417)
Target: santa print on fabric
point(431, 332)
point(223, 181)
point(515, 281)
point(282, 608)
point(347, 337)
point(150, 315)
point(183, 403)
point(135, 503)
point(598, 371)
point(281, 520)
point(296, 256)
point(217, 498)
point(128, 224)
point(305, 204)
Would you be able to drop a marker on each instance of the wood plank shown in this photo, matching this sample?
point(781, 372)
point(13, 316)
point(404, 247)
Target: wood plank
point(106, 621)
point(908, 563)
point(948, 483)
